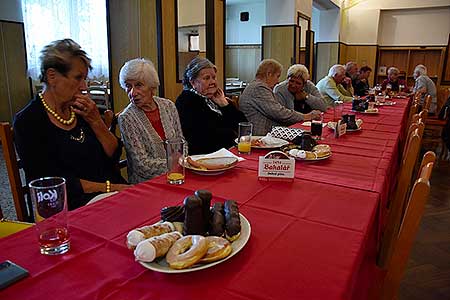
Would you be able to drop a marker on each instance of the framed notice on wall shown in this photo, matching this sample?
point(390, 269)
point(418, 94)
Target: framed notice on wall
point(382, 70)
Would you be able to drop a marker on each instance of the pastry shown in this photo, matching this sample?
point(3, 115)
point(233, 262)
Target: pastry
point(217, 224)
point(218, 248)
point(206, 197)
point(193, 216)
point(213, 163)
point(232, 220)
point(186, 251)
point(155, 247)
point(322, 150)
point(172, 213)
point(139, 234)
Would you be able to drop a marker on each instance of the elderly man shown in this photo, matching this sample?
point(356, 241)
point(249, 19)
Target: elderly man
point(395, 82)
point(331, 86)
point(298, 93)
point(425, 86)
point(351, 74)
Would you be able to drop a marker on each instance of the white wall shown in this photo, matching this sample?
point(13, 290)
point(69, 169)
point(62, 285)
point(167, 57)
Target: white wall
point(249, 32)
point(191, 12)
point(183, 37)
point(406, 27)
point(11, 10)
point(304, 6)
point(279, 12)
point(360, 26)
point(326, 24)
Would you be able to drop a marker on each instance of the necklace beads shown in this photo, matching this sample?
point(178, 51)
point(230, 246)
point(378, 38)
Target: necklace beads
point(56, 115)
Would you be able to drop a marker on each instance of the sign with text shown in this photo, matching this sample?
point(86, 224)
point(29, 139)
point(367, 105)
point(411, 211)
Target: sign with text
point(276, 165)
point(340, 129)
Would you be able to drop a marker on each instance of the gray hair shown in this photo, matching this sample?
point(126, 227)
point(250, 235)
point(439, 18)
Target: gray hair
point(393, 70)
point(336, 70)
point(299, 71)
point(58, 55)
point(349, 65)
point(140, 69)
point(421, 69)
point(267, 66)
point(193, 70)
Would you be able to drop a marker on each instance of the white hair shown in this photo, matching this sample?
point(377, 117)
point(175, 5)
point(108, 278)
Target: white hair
point(299, 71)
point(393, 70)
point(336, 70)
point(140, 69)
point(421, 69)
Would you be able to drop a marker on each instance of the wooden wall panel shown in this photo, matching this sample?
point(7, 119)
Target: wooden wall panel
point(15, 89)
point(361, 54)
point(219, 41)
point(327, 54)
point(242, 61)
point(137, 39)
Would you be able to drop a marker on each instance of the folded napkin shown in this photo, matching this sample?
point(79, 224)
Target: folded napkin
point(219, 153)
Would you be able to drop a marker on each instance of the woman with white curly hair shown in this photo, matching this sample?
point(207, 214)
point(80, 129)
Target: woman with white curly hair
point(298, 92)
point(146, 122)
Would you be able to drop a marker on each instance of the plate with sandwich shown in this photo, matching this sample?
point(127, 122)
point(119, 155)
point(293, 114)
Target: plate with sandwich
point(209, 165)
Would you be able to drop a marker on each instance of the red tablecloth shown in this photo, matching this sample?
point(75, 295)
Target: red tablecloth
point(313, 238)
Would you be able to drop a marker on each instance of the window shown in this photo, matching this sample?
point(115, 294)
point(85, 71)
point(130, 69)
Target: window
point(194, 42)
point(84, 21)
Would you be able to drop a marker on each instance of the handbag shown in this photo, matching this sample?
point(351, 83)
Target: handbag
point(285, 133)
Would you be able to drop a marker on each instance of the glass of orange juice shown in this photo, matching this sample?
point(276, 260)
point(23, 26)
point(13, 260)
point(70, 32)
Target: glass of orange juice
point(175, 155)
point(245, 137)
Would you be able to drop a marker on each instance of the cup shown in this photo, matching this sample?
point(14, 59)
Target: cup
point(245, 137)
point(175, 156)
point(388, 89)
point(338, 110)
point(316, 128)
point(50, 213)
point(401, 87)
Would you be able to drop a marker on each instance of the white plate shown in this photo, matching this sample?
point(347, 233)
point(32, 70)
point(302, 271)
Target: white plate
point(101, 196)
point(278, 142)
point(387, 103)
point(375, 111)
point(206, 172)
point(160, 265)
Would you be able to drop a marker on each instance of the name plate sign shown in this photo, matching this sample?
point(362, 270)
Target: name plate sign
point(340, 129)
point(276, 165)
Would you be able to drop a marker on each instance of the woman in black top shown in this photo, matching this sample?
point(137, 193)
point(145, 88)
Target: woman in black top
point(209, 122)
point(61, 133)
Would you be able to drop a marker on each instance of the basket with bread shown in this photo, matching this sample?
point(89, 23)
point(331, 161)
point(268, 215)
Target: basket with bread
point(191, 236)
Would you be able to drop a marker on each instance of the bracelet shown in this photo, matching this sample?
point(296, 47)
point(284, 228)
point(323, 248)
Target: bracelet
point(108, 186)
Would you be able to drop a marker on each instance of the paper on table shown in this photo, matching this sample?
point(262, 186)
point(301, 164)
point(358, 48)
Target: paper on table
point(219, 153)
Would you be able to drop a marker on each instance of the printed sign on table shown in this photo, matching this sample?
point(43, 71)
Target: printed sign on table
point(276, 165)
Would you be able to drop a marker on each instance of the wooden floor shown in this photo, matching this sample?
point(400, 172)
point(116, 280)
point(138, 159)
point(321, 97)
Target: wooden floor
point(428, 273)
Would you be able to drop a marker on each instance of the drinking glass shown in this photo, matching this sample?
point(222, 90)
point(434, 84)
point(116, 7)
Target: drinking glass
point(388, 89)
point(245, 137)
point(175, 155)
point(50, 213)
point(338, 109)
point(316, 128)
point(401, 87)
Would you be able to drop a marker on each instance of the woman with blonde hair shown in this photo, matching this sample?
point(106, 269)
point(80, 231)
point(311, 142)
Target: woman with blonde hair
point(259, 103)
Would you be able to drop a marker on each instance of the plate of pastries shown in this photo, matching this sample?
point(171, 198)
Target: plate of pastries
point(305, 148)
point(209, 166)
point(192, 236)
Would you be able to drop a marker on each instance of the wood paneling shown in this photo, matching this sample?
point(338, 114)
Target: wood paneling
point(282, 44)
point(14, 86)
point(446, 69)
point(326, 56)
point(219, 41)
point(361, 54)
point(137, 39)
point(242, 61)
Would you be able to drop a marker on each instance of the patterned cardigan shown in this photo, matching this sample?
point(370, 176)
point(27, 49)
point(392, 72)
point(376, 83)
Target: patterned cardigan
point(146, 154)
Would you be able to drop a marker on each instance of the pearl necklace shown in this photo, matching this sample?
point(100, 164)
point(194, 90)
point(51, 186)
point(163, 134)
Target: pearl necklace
point(56, 115)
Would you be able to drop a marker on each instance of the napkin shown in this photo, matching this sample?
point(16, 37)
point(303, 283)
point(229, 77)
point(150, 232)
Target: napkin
point(219, 153)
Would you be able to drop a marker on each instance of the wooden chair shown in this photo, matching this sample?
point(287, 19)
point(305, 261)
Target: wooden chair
point(404, 238)
point(397, 202)
point(21, 203)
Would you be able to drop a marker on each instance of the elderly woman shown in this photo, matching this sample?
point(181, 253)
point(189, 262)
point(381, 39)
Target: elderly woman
point(146, 122)
point(298, 93)
point(425, 86)
point(61, 133)
point(208, 120)
point(260, 106)
point(394, 81)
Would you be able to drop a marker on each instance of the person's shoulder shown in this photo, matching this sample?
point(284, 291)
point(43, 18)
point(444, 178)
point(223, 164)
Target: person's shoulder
point(164, 102)
point(184, 97)
point(29, 113)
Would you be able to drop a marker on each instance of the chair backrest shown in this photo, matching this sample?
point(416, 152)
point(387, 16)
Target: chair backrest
point(427, 103)
point(23, 208)
point(397, 202)
point(100, 96)
point(406, 235)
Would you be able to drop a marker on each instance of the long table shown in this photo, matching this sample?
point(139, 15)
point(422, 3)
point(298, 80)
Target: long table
point(313, 238)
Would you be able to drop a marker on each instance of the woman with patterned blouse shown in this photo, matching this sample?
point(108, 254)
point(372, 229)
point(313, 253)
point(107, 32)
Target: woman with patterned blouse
point(146, 122)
